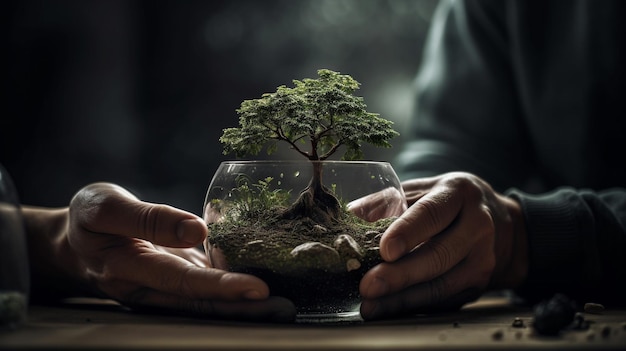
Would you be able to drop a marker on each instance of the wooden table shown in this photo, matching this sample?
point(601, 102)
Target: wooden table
point(487, 324)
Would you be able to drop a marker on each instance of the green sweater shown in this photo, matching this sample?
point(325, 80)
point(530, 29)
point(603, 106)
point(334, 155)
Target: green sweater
point(531, 96)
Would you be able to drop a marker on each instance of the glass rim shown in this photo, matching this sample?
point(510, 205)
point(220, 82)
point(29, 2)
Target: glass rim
point(355, 162)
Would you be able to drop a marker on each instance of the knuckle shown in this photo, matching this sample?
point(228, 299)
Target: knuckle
point(441, 258)
point(147, 222)
point(428, 207)
point(468, 184)
point(87, 206)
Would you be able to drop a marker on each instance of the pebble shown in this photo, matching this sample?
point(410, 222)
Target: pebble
point(347, 247)
point(518, 323)
point(352, 264)
point(317, 255)
point(593, 308)
point(497, 335)
point(554, 315)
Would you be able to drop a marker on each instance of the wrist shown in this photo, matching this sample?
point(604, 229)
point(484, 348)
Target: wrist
point(54, 268)
point(514, 267)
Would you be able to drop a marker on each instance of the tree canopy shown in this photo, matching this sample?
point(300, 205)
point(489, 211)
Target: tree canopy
point(316, 117)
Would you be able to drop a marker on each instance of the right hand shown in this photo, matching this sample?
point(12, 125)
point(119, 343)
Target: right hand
point(457, 239)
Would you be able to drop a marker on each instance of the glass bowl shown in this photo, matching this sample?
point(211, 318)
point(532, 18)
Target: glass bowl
point(14, 274)
point(264, 220)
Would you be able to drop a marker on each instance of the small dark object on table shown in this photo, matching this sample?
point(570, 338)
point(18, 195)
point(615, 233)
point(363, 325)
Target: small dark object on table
point(554, 315)
point(593, 308)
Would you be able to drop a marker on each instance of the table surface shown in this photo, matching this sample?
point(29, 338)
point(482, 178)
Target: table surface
point(89, 324)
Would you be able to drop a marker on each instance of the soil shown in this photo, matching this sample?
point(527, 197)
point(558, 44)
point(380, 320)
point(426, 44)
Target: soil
point(316, 266)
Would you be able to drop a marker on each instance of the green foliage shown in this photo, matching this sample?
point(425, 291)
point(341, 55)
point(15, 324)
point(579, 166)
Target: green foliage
point(252, 201)
point(322, 113)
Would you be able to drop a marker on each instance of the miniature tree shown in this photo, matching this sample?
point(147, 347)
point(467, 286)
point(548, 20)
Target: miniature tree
point(316, 118)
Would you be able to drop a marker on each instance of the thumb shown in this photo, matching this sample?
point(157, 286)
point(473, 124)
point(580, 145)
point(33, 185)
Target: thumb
point(110, 209)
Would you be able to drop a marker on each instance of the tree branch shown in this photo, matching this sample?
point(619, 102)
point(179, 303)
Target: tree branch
point(331, 151)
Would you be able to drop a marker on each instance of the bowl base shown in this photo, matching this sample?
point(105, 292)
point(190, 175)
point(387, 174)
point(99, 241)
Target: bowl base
point(352, 317)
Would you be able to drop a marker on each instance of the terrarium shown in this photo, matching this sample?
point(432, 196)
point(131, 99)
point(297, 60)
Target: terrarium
point(309, 228)
point(316, 261)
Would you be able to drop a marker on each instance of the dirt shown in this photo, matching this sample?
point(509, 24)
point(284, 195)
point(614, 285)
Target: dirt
point(316, 266)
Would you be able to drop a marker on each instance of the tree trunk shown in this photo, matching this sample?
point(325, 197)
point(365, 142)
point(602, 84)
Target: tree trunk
point(316, 201)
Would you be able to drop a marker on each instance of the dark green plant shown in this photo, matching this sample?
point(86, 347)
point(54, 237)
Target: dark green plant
point(253, 200)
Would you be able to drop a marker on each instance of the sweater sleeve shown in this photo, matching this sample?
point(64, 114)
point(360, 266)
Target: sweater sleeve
point(577, 244)
point(467, 117)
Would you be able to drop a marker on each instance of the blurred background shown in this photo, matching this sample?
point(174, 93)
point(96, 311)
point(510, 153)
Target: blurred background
point(138, 92)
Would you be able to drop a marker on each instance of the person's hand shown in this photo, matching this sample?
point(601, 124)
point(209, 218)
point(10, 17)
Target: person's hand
point(142, 255)
point(457, 239)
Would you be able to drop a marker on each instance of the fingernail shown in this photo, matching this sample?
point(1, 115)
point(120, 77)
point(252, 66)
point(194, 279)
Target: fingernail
point(253, 295)
point(189, 231)
point(378, 287)
point(395, 248)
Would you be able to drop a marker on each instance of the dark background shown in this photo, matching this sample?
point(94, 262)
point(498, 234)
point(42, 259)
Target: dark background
point(138, 92)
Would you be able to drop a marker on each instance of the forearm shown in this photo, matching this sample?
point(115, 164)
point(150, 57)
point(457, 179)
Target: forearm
point(54, 270)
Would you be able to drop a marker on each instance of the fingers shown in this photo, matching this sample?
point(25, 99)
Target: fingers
point(471, 233)
point(382, 204)
point(197, 257)
point(274, 309)
point(451, 290)
point(431, 214)
point(110, 209)
point(414, 189)
point(427, 262)
point(174, 275)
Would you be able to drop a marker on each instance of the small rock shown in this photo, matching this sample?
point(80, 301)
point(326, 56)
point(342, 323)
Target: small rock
point(254, 249)
point(316, 255)
point(347, 247)
point(554, 315)
point(255, 244)
point(353, 264)
point(593, 308)
point(518, 323)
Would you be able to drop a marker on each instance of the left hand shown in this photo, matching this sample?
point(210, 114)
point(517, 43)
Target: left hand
point(142, 255)
point(457, 239)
